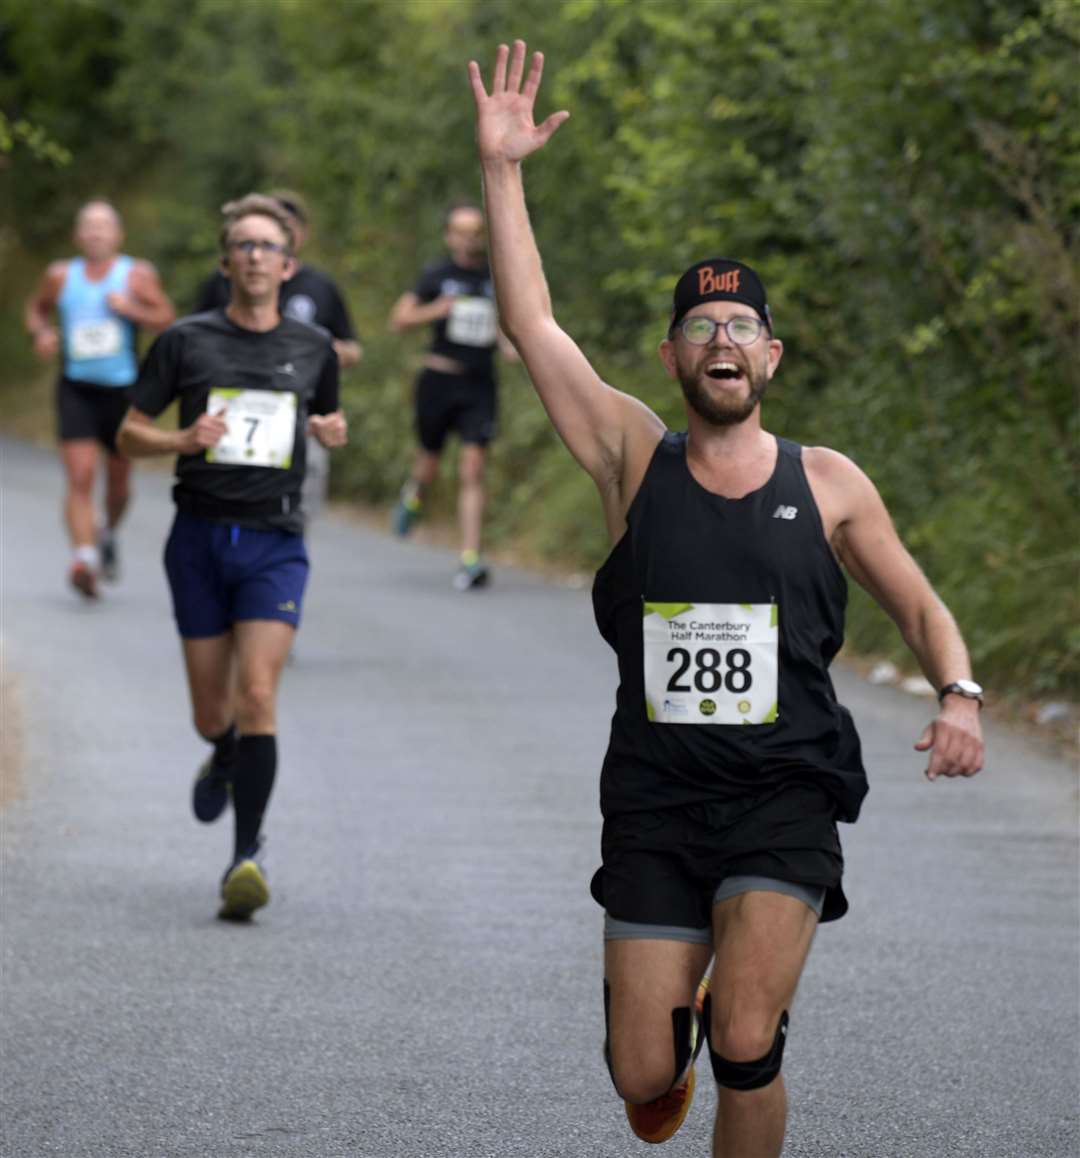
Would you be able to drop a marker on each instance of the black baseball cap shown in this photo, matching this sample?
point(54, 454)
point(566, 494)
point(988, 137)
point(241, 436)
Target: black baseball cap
point(719, 279)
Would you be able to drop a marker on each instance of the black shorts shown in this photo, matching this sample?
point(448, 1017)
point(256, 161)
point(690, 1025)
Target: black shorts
point(84, 410)
point(663, 868)
point(454, 402)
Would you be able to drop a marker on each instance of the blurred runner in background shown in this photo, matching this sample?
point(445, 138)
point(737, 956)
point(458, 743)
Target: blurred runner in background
point(456, 390)
point(99, 300)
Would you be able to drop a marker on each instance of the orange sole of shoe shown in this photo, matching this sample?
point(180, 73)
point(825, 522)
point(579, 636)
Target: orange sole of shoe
point(658, 1121)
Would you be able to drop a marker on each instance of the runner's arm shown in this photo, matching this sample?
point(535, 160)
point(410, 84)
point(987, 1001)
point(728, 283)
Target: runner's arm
point(154, 390)
point(138, 437)
point(409, 311)
point(346, 344)
point(145, 303)
point(870, 549)
point(38, 315)
point(596, 422)
point(348, 351)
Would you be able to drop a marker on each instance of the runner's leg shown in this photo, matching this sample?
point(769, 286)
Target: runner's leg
point(471, 496)
point(80, 459)
point(262, 647)
point(761, 940)
point(647, 980)
point(117, 489)
point(211, 681)
point(425, 470)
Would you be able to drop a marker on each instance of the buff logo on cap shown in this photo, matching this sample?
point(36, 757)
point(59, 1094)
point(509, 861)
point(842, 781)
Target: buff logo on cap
point(710, 282)
point(719, 279)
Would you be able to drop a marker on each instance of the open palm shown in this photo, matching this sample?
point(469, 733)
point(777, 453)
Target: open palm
point(505, 129)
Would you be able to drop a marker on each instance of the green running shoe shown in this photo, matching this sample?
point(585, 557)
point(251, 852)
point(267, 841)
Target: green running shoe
point(244, 889)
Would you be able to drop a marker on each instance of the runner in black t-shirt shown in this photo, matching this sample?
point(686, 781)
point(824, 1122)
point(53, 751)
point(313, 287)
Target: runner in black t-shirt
point(730, 759)
point(456, 390)
point(250, 385)
point(310, 295)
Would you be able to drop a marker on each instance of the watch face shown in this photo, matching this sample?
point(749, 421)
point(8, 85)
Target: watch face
point(969, 687)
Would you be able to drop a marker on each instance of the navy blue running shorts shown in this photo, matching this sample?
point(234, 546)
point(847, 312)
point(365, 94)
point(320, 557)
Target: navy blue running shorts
point(220, 574)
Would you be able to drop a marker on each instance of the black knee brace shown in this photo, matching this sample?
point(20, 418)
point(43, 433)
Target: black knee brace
point(751, 1075)
point(680, 1028)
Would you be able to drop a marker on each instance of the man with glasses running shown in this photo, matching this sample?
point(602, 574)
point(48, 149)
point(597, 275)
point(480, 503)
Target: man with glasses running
point(251, 384)
point(730, 760)
point(310, 295)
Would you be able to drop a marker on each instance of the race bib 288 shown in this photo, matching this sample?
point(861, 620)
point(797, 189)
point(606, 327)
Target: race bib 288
point(711, 663)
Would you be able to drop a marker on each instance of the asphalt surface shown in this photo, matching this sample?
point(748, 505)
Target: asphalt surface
point(426, 981)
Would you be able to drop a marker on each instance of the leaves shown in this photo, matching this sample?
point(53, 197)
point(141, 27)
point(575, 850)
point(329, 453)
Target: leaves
point(905, 174)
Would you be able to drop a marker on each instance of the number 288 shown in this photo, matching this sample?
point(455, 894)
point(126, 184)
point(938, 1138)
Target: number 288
point(708, 673)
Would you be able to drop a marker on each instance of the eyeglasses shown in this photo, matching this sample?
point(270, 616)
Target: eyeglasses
point(247, 248)
point(742, 331)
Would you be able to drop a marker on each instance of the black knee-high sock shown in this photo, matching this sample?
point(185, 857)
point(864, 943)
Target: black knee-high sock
point(225, 748)
point(252, 781)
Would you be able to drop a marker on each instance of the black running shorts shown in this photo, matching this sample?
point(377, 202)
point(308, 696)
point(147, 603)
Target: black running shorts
point(457, 403)
point(664, 867)
point(84, 410)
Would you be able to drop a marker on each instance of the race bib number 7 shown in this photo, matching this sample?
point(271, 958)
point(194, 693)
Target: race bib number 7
point(711, 663)
point(261, 427)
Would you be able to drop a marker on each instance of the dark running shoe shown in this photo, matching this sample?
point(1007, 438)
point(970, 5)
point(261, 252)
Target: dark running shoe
point(243, 888)
point(210, 793)
point(110, 559)
point(406, 514)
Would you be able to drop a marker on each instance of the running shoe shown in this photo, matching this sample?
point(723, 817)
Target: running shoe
point(210, 792)
point(84, 579)
point(110, 558)
point(470, 575)
point(244, 888)
point(406, 514)
point(659, 1120)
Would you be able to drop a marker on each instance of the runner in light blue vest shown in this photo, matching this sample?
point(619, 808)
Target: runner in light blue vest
point(98, 343)
point(100, 299)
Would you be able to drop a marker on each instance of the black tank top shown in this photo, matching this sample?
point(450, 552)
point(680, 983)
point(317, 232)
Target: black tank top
point(686, 547)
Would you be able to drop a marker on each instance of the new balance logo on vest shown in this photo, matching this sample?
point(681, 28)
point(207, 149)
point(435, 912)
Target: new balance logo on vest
point(783, 512)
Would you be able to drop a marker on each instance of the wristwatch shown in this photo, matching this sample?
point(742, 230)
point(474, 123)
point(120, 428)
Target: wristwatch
point(969, 689)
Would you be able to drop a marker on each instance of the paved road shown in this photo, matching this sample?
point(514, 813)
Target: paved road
point(426, 980)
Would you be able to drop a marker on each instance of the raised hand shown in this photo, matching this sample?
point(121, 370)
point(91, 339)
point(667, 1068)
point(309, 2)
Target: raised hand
point(505, 129)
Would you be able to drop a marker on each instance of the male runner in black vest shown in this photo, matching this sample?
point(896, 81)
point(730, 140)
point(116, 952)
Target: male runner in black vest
point(251, 385)
point(730, 760)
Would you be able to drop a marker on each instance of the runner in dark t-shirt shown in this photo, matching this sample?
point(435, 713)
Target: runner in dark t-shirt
point(729, 760)
point(310, 295)
point(251, 385)
point(456, 390)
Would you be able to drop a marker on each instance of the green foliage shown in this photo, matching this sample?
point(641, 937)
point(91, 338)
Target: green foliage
point(904, 173)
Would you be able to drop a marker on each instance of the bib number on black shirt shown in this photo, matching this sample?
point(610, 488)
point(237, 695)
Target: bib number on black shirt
point(711, 663)
point(261, 427)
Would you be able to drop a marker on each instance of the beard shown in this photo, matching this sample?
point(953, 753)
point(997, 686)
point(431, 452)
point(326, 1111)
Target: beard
point(725, 410)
